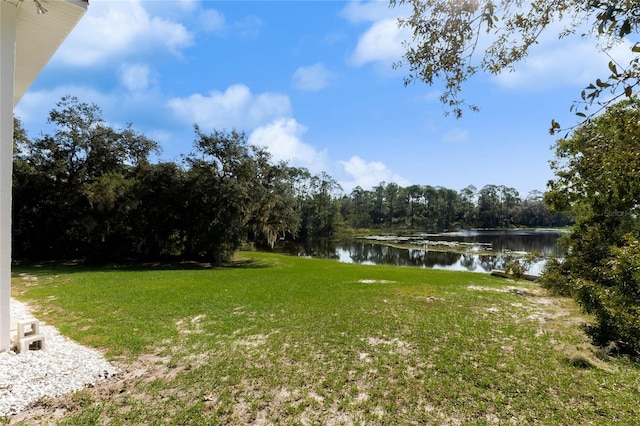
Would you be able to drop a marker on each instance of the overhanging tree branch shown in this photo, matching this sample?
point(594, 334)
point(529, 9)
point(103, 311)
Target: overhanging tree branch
point(446, 34)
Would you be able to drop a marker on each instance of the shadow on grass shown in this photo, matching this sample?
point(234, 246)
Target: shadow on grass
point(68, 267)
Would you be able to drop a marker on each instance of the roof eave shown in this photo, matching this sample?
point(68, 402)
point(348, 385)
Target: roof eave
point(38, 37)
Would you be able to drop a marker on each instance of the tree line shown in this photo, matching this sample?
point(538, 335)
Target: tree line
point(391, 206)
point(89, 191)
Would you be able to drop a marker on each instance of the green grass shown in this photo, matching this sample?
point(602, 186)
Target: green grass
point(284, 340)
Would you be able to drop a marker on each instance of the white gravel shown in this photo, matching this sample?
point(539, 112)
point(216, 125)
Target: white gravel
point(62, 367)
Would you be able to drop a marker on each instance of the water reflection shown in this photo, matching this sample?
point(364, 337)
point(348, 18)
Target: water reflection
point(368, 253)
point(542, 241)
point(376, 254)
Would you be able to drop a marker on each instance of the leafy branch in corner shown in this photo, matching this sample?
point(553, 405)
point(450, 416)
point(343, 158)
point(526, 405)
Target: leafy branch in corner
point(445, 36)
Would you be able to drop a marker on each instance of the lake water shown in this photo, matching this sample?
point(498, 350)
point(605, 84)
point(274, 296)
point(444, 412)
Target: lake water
point(501, 243)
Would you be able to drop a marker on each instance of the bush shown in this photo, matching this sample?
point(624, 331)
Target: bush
point(556, 280)
point(615, 299)
point(517, 267)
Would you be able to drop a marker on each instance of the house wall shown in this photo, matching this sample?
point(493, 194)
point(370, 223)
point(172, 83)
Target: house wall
point(8, 13)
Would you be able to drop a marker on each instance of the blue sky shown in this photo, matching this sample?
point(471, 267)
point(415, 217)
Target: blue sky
point(312, 81)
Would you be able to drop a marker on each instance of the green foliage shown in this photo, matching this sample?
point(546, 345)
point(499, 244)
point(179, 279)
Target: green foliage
point(72, 189)
point(319, 205)
point(89, 191)
point(234, 189)
point(598, 177)
point(516, 267)
point(446, 35)
point(157, 221)
point(554, 279)
point(615, 300)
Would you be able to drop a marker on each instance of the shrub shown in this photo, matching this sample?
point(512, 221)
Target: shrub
point(615, 299)
point(555, 279)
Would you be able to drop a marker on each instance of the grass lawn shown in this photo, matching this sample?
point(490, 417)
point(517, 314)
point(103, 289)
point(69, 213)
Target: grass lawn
point(273, 339)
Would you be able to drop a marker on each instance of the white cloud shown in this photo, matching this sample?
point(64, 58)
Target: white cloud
point(189, 5)
point(382, 42)
point(135, 76)
point(368, 174)
point(370, 11)
point(236, 107)
point(560, 62)
point(311, 78)
point(560, 65)
point(283, 139)
point(113, 30)
point(212, 21)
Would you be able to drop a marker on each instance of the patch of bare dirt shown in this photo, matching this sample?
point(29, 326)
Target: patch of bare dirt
point(253, 341)
point(190, 325)
point(145, 368)
point(395, 345)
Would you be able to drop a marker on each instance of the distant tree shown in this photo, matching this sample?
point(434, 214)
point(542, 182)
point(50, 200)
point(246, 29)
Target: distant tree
point(274, 212)
point(378, 212)
point(391, 200)
point(416, 208)
point(534, 211)
point(509, 205)
point(362, 207)
point(432, 207)
point(446, 37)
point(346, 209)
point(321, 212)
point(598, 178)
point(449, 204)
point(301, 181)
point(467, 213)
point(489, 206)
point(110, 199)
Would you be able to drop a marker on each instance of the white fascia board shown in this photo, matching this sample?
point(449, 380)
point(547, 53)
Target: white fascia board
point(38, 37)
